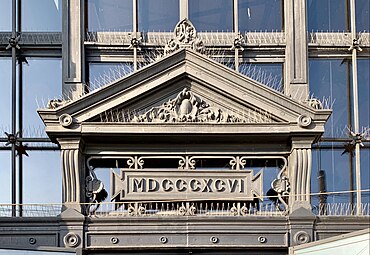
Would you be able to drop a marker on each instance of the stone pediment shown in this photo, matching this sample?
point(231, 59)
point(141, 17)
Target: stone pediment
point(184, 88)
point(186, 107)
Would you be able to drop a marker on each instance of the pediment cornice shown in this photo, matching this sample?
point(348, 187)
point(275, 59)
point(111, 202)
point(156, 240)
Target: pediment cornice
point(229, 93)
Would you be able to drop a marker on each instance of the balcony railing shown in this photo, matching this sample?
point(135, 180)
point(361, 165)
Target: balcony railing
point(180, 209)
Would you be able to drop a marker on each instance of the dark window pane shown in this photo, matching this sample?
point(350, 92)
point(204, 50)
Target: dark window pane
point(327, 15)
point(329, 80)
point(159, 15)
point(42, 15)
point(211, 15)
point(5, 15)
point(256, 15)
point(110, 15)
point(364, 92)
point(362, 15)
point(5, 95)
point(5, 180)
point(42, 81)
point(337, 172)
point(270, 74)
point(44, 182)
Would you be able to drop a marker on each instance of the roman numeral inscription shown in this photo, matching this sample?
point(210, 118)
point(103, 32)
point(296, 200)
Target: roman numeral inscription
point(165, 185)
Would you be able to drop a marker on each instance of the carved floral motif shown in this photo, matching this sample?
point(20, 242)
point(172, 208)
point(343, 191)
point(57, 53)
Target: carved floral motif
point(187, 107)
point(185, 36)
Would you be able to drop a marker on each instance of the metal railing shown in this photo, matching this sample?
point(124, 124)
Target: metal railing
point(181, 209)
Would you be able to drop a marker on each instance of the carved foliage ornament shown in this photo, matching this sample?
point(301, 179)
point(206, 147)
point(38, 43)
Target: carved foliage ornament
point(185, 36)
point(187, 107)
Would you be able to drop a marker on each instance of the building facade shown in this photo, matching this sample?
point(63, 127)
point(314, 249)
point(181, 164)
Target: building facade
point(183, 126)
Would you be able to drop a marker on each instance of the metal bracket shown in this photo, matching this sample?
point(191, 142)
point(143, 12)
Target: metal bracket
point(13, 42)
point(355, 45)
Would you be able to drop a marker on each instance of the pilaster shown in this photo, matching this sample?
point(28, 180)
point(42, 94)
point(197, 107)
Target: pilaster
point(73, 173)
point(296, 84)
point(73, 49)
point(300, 162)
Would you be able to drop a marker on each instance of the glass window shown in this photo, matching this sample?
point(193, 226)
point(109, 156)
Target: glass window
point(5, 15)
point(5, 180)
point(256, 15)
point(337, 172)
point(327, 15)
point(110, 15)
point(270, 74)
point(42, 178)
point(365, 174)
point(364, 92)
point(42, 81)
point(329, 79)
point(154, 17)
point(42, 15)
point(362, 15)
point(103, 73)
point(5, 95)
point(211, 15)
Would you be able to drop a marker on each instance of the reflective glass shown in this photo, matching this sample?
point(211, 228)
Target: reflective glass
point(42, 81)
point(256, 15)
point(337, 173)
point(103, 73)
point(5, 95)
point(365, 174)
point(42, 15)
point(159, 15)
point(327, 15)
point(5, 179)
point(362, 15)
point(42, 177)
point(211, 15)
point(329, 80)
point(270, 74)
point(110, 15)
point(363, 75)
point(5, 15)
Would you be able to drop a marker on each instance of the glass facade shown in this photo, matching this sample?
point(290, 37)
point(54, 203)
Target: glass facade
point(211, 15)
point(330, 74)
point(328, 15)
point(42, 15)
point(108, 15)
point(260, 15)
point(153, 17)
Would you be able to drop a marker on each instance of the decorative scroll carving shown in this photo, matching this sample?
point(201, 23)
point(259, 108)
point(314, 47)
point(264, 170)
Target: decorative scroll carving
point(55, 103)
point(136, 210)
point(187, 107)
point(187, 209)
point(304, 121)
point(185, 36)
point(66, 120)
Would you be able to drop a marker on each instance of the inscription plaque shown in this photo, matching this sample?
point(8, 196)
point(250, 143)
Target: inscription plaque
point(164, 185)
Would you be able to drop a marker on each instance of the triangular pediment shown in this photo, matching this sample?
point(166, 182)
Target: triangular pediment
point(185, 88)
